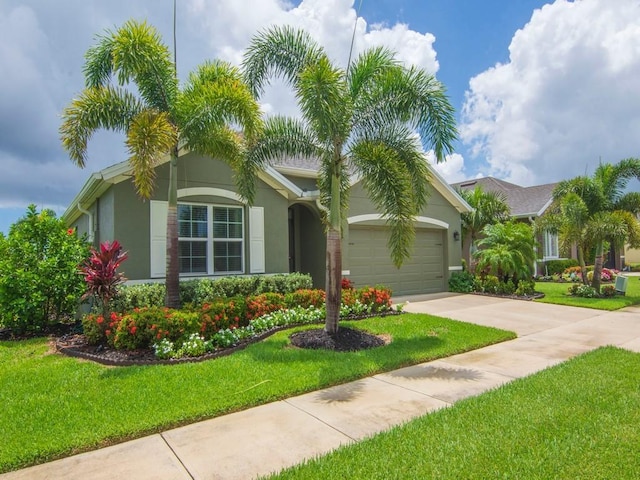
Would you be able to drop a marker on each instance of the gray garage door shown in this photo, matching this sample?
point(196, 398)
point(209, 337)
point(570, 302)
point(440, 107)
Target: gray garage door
point(370, 262)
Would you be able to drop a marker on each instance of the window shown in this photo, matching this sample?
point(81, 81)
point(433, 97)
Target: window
point(211, 239)
point(550, 245)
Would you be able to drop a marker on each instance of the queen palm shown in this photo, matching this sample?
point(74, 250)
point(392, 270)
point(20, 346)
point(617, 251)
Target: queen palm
point(158, 117)
point(359, 121)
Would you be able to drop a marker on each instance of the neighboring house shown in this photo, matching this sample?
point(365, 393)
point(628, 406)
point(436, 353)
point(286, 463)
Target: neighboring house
point(282, 232)
point(526, 204)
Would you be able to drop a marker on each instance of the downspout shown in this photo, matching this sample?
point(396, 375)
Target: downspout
point(90, 215)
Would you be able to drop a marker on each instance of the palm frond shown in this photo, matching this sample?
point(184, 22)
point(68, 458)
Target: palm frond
point(630, 202)
point(98, 65)
point(279, 52)
point(95, 108)
point(324, 101)
point(216, 96)
point(139, 55)
point(364, 70)
point(390, 186)
point(151, 135)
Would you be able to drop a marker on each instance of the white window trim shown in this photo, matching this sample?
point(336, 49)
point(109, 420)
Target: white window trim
point(549, 239)
point(211, 241)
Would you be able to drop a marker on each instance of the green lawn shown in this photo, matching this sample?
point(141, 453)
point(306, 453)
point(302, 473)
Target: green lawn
point(576, 420)
point(53, 405)
point(557, 293)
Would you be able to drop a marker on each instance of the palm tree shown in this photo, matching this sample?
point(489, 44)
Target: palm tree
point(488, 207)
point(611, 214)
point(359, 121)
point(507, 251)
point(158, 117)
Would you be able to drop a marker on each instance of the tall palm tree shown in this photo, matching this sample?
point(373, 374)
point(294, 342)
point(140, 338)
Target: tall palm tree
point(488, 208)
point(357, 121)
point(132, 87)
point(611, 213)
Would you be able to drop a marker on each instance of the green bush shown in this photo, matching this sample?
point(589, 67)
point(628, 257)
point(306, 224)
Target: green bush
point(490, 284)
point(461, 282)
point(526, 287)
point(39, 279)
point(608, 291)
point(581, 290)
point(555, 267)
point(197, 292)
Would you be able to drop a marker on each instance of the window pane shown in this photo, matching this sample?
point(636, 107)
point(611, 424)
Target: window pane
point(199, 213)
point(200, 230)
point(235, 231)
point(234, 249)
point(220, 214)
point(184, 212)
point(235, 264)
point(235, 215)
point(193, 257)
point(220, 230)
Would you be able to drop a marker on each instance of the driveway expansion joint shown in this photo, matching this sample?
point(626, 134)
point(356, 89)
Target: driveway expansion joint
point(176, 455)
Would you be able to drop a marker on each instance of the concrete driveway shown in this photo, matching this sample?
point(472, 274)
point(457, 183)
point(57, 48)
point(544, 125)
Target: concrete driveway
point(268, 438)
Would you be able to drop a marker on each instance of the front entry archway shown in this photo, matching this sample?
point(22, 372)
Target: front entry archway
point(307, 243)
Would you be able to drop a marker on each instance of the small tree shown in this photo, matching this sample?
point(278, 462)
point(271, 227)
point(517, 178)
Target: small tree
point(101, 275)
point(507, 251)
point(39, 279)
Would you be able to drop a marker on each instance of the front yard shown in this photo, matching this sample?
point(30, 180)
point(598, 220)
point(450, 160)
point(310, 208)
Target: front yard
point(578, 419)
point(557, 293)
point(54, 406)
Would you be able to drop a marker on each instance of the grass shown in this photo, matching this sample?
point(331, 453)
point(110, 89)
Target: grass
point(54, 405)
point(576, 420)
point(557, 293)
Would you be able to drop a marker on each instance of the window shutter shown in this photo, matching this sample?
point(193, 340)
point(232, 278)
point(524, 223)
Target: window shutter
point(158, 235)
point(256, 240)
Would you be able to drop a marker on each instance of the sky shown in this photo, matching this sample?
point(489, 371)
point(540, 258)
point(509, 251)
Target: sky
point(543, 90)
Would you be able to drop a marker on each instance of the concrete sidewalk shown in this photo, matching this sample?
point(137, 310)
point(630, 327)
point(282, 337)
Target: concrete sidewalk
point(268, 438)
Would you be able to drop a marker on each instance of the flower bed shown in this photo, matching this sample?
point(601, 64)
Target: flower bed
point(223, 324)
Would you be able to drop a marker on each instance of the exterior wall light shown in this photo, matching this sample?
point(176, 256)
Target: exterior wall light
point(456, 235)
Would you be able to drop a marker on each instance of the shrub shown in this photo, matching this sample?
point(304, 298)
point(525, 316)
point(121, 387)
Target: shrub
point(526, 287)
point(39, 279)
point(554, 267)
point(377, 298)
point(197, 292)
point(608, 291)
point(580, 290)
point(490, 284)
point(222, 314)
point(506, 288)
point(100, 273)
point(347, 284)
point(260, 305)
point(461, 282)
point(606, 275)
point(307, 298)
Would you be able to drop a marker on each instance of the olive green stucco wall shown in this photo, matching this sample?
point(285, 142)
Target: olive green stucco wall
point(124, 216)
point(437, 208)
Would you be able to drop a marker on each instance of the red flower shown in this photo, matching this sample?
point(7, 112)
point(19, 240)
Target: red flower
point(71, 231)
point(100, 319)
point(107, 332)
point(133, 329)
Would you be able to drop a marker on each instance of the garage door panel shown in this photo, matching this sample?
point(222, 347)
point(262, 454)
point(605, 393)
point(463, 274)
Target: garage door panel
point(370, 262)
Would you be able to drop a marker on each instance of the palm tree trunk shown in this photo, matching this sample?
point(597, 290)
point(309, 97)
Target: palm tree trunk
point(333, 284)
point(583, 267)
point(597, 266)
point(172, 299)
point(334, 260)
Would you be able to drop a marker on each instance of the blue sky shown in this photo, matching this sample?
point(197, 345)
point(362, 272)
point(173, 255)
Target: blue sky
point(542, 90)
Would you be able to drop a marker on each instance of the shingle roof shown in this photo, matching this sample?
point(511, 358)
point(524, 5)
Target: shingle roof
point(523, 201)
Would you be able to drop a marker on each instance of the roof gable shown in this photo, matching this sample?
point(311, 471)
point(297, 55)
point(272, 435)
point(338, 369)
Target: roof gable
point(522, 201)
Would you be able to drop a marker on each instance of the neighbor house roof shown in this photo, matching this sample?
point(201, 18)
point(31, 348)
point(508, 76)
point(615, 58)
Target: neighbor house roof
point(99, 182)
point(523, 201)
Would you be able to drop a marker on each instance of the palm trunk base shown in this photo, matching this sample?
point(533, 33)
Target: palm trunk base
point(333, 283)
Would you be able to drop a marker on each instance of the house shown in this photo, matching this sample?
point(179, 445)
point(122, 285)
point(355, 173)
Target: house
point(282, 232)
point(526, 204)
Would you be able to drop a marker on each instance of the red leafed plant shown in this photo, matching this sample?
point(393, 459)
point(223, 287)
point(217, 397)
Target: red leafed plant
point(100, 272)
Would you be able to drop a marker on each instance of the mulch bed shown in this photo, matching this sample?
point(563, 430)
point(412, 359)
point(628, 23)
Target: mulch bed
point(75, 345)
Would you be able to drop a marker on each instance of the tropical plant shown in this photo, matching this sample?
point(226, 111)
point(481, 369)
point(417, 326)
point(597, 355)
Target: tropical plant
point(39, 279)
point(101, 274)
point(591, 211)
point(507, 251)
point(358, 122)
point(158, 118)
point(488, 207)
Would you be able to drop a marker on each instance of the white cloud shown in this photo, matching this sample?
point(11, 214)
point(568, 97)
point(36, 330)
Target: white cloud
point(452, 169)
point(568, 96)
